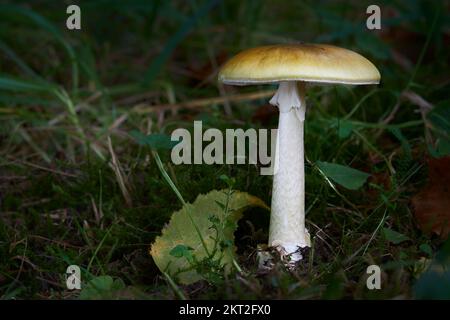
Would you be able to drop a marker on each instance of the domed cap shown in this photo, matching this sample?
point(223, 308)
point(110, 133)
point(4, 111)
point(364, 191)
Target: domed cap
point(299, 62)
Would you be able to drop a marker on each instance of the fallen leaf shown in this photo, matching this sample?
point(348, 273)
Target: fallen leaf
point(180, 240)
point(432, 203)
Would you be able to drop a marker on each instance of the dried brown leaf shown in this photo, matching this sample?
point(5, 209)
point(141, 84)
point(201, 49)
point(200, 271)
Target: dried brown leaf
point(432, 203)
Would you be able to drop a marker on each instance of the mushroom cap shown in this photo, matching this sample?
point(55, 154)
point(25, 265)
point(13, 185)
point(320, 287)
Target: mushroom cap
point(299, 62)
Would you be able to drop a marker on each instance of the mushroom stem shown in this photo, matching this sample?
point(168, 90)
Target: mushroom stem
point(287, 230)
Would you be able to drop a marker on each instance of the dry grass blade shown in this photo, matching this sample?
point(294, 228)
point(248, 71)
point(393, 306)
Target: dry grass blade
point(63, 244)
point(199, 103)
point(34, 146)
point(98, 212)
point(77, 108)
point(26, 163)
point(121, 179)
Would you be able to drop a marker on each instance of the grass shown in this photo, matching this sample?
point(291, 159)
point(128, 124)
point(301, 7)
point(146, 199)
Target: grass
point(75, 188)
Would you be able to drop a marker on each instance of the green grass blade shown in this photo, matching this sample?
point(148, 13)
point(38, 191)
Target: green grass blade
point(184, 29)
point(16, 84)
point(9, 52)
point(43, 23)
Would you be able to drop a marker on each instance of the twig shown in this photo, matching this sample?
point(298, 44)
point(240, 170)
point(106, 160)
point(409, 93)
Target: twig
point(198, 103)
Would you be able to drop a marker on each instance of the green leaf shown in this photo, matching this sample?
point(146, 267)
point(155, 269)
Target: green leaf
point(345, 128)
point(405, 143)
point(440, 116)
point(434, 283)
point(181, 251)
point(440, 120)
point(229, 181)
point(394, 236)
point(345, 176)
point(156, 141)
point(424, 247)
point(443, 147)
point(181, 231)
point(101, 288)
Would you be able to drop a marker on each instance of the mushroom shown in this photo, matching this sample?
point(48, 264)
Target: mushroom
point(292, 66)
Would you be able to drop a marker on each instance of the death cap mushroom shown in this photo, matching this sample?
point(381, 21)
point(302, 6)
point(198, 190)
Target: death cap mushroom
point(292, 66)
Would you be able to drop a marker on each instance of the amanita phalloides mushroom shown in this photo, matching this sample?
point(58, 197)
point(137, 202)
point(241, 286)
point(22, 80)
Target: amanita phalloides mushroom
point(292, 66)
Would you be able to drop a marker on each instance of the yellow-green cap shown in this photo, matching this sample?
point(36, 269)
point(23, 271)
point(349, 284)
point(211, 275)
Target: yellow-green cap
point(299, 62)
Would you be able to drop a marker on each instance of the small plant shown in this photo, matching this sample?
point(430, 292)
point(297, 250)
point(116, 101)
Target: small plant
point(211, 267)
